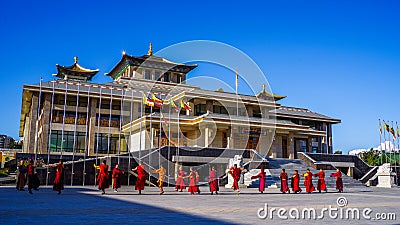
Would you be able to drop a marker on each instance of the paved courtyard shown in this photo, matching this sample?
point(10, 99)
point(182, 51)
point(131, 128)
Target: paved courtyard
point(86, 205)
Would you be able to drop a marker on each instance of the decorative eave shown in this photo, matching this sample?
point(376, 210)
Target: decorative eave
point(266, 95)
point(75, 72)
point(148, 61)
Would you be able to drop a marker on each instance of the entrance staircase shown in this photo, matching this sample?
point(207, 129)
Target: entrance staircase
point(290, 165)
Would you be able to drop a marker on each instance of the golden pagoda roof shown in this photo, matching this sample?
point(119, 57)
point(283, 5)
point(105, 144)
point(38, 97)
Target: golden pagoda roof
point(266, 95)
point(75, 71)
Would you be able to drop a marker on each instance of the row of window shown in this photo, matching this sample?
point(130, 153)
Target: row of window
point(103, 144)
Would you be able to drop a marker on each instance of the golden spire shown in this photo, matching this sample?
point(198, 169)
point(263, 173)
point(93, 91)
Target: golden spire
point(76, 59)
point(263, 88)
point(150, 52)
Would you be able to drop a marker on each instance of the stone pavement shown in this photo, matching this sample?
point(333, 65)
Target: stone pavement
point(86, 205)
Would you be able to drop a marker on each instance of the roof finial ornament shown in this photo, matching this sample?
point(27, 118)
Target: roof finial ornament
point(76, 59)
point(263, 88)
point(150, 52)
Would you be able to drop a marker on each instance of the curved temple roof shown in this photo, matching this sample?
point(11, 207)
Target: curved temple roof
point(75, 72)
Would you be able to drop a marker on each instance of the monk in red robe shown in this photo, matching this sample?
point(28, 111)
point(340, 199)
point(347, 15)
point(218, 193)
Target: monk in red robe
point(261, 177)
point(296, 182)
point(321, 186)
point(213, 181)
point(180, 181)
point(339, 182)
point(116, 176)
point(192, 182)
point(308, 181)
point(141, 178)
point(58, 184)
point(102, 177)
point(197, 181)
point(31, 176)
point(284, 182)
point(235, 173)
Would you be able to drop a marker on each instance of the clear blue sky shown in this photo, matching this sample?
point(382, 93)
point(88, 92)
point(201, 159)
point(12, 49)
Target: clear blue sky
point(339, 58)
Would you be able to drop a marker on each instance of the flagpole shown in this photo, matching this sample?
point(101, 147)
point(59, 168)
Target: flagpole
point(38, 120)
point(380, 138)
point(109, 124)
point(98, 132)
point(63, 122)
point(74, 142)
point(151, 134)
point(169, 139)
point(384, 137)
point(130, 134)
point(237, 97)
point(120, 123)
point(86, 138)
point(51, 127)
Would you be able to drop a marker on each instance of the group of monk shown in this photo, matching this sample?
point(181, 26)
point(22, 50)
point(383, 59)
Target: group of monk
point(139, 172)
point(27, 175)
point(321, 185)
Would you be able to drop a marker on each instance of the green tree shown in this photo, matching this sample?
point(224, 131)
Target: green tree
point(371, 157)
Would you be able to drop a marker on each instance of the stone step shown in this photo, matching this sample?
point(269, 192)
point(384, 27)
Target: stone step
point(276, 166)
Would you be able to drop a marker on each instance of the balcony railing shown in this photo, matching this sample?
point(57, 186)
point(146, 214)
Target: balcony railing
point(82, 121)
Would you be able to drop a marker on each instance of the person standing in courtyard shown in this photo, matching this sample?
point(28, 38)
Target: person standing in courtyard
point(180, 181)
point(284, 182)
point(32, 178)
point(21, 176)
point(339, 181)
point(141, 177)
point(161, 176)
point(321, 186)
point(296, 182)
point(58, 184)
point(197, 181)
point(116, 176)
point(261, 181)
point(102, 177)
point(192, 182)
point(235, 172)
point(213, 181)
point(308, 181)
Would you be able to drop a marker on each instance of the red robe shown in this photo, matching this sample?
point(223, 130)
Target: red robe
point(235, 173)
point(180, 182)
point(308, 182)
point(192, 185)
point(262, 177)
point(21, 177)
point(321, 186)
point(296, 183)
point(339, 182)
point(213, 181)
point(116, 176)
point(59, 178)
point(102, 178)
point(141, 178)
point(284, 182)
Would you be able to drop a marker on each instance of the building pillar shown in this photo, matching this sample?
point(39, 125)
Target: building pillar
point(249, 109)
point(290, 146)
point(32, 124)
point(92, 127)
point(46, 111)
point(206, 136)
point(309, 144)
point(209, 106)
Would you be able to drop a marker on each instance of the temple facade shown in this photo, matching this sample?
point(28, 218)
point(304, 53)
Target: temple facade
point(149, 105)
